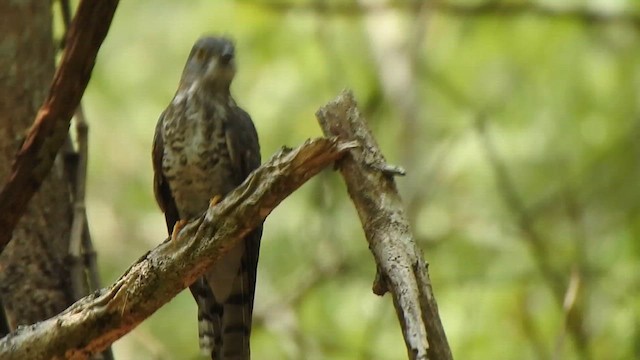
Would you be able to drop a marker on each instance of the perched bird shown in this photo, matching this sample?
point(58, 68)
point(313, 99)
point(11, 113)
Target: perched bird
point(204, 146)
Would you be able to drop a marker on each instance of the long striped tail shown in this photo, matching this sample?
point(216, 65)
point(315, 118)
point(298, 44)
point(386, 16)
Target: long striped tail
point(225, 302)
point(209, 319)
point(224, 329)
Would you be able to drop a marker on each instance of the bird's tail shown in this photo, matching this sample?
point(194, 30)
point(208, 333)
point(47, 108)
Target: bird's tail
point(223, 329)
point(209, 319)
point(236, 322)
point(224, 323)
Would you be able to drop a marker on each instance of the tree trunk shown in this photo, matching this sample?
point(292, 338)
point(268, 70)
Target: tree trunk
point(34, 276)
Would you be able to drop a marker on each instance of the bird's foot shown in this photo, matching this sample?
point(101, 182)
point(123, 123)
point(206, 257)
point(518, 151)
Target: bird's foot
point(176, 229)
point(215, 200)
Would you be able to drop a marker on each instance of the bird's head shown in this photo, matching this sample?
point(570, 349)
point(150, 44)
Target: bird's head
point(211, 62)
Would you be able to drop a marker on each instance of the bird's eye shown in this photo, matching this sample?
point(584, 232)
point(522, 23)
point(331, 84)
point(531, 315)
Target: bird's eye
point(226, 58)
point(200, 54)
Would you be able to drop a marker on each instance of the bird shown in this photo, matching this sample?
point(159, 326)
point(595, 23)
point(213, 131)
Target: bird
point(204, 146)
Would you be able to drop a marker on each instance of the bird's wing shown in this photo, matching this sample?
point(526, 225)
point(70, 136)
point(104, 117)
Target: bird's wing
point(242, 141)
point(237, 309)
point(244, 150)
point(161, 189)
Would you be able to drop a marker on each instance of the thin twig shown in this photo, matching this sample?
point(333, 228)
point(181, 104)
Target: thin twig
point(568, 306)
point(79, 235)
point(79, 224)
point(90, 258)
point(575, 299)
point(79, 281)
point(65, 10)
point(80, 242)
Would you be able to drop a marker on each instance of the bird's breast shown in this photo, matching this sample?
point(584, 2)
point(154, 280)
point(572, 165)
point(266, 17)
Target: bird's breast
point(196, 162)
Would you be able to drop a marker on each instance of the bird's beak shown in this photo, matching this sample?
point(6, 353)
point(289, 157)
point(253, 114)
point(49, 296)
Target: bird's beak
point(227, 55)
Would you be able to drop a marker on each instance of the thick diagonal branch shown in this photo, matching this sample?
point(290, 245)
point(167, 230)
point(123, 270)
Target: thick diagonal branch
point(399, 260)
point(50, 128)
point(95, 321)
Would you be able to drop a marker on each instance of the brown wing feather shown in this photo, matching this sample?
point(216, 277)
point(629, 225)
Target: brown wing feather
point(161, 188)
point(242, 141)
point(244, 150)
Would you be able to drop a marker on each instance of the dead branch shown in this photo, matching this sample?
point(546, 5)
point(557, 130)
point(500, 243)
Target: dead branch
point(401, 266)
point(97, 320)
point(49, 130)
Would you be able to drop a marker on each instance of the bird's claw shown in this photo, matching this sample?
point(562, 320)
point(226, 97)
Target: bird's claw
point(215, 200)
point(176, 229)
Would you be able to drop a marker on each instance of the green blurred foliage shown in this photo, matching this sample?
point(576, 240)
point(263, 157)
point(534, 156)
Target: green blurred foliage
point(559, 99)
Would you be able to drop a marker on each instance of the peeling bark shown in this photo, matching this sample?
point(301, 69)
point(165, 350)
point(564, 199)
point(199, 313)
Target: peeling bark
point(401, 267)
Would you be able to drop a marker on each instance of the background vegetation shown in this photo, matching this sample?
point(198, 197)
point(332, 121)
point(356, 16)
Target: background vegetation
point(519, 131)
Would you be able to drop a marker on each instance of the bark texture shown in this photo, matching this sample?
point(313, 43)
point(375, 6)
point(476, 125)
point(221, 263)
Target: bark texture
point(401, 267)
point(97, 320)
point(36, 156)
point(33, 272)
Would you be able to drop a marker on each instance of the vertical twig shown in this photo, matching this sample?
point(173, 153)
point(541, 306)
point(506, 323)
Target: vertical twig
point(78, 226)
point(575, 299)
point(568, 306)
point(401, 266)
point(90, 258)
point(80, 241)
point(81, 251)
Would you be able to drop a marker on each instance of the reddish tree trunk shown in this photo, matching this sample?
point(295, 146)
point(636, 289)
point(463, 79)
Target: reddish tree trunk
point(34, 275)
